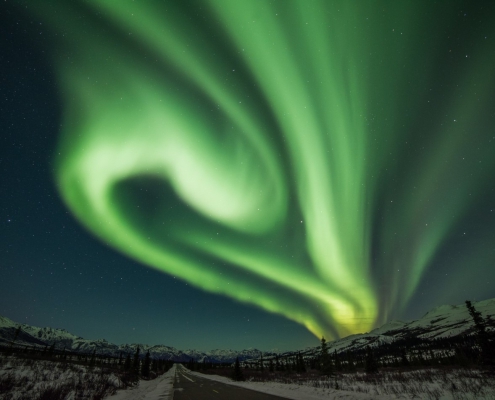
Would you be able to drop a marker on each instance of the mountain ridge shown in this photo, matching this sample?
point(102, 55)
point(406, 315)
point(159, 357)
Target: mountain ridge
point(441, 321)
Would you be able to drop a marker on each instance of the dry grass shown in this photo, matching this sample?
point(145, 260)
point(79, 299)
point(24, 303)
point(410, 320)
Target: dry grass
point(22, 379)
point(427, 383)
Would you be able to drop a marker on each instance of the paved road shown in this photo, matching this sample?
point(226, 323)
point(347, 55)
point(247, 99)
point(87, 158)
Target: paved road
point(190, 387)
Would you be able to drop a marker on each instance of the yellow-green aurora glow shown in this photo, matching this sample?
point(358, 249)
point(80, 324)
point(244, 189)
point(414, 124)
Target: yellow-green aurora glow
point(243, 146)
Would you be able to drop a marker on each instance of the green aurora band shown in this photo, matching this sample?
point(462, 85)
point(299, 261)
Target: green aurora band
point(245, 146)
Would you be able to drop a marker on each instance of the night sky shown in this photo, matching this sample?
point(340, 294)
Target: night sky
point(236, 174)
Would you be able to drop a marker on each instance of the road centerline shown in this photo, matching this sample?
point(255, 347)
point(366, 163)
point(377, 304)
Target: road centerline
point(187, 378)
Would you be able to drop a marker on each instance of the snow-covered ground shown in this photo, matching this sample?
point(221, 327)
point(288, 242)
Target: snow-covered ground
point(423, 384)
point(160, 388)
point(295, 391)
point(32, 379)
point(22, 379)
point(27, 379)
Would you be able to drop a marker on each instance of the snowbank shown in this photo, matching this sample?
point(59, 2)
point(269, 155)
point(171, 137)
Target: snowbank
point(160, 388)
point(292, 391)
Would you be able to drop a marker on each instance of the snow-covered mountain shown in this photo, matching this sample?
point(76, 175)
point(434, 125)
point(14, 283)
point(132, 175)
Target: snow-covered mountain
point(441, 322)
point(32, 335)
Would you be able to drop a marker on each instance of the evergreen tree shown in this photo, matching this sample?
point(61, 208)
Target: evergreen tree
point(487, 348)
point(432, 358)
point(326, 367)
point(92, 360)
point(135, 364)
point(296, 364)
point(145, 370)
point(262, 366)
point(277, 364)
point(351, 367)
point(371, 366)
point(270, 365)
point(237, 373)
point(404, 361)
point(127, 363)
point(120, 359)
point(338, 363)
point(479, 323)
point(461, 357)
point(300, 366)
point(51, 350)
point(16, 334)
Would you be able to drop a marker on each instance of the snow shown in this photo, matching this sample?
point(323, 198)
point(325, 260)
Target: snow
point(33, 377)
point(160, 388)
point(442, 321)
point(424, 384)
point(41, 337)
point(389, 326)
point(26, 378)
point(293, 391)
point(7, 323)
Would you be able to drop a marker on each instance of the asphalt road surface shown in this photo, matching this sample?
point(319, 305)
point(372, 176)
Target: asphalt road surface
point(190, 387)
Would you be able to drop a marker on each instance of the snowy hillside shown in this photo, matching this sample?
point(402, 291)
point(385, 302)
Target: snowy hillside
point(440, 322)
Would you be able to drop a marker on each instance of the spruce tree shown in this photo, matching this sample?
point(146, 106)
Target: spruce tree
point(479, 323)
point(127, 363)
point(326, 367)
point(300, 366)
point(237, 373)
point(262, 366)
point(16, 335)
point(135, 364)
point(487, 350)
point(371, 366)
point(145, 370)
point(92, 360)
point(351, 367)
point(338, 363)
point(270, 366)
point(404, 361)
point(51, 350)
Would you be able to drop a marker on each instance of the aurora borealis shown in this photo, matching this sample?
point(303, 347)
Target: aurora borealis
point(325, 161)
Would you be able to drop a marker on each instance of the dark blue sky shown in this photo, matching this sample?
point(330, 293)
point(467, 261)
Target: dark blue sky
point(55, 273)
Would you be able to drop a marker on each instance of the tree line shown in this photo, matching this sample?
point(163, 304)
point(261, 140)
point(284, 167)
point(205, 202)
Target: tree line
point(474, 348)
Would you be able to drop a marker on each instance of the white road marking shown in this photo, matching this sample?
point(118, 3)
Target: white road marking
point(187, 378)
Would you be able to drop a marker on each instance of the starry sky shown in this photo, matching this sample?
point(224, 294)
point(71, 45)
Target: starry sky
point(212, 174)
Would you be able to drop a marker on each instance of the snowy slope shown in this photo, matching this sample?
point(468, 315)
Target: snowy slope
point(440, 322)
